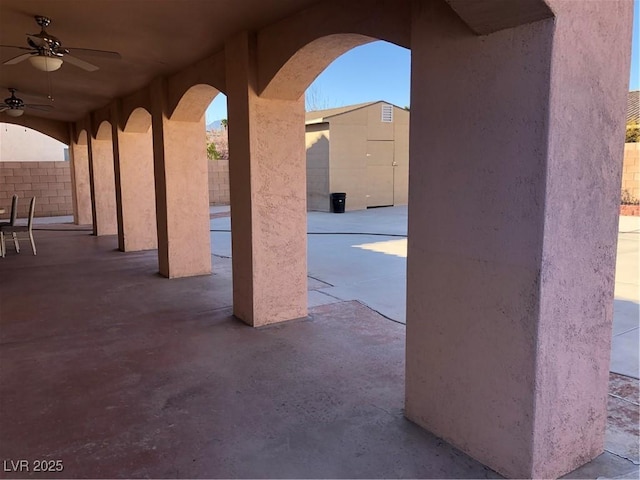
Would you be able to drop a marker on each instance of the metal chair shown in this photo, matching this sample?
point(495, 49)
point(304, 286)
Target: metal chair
point(12, 219)
point(15, 229)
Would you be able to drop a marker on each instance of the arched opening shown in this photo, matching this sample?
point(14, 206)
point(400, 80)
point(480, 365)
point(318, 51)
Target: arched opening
point(135, 192)
point(81, 138)
point(277, 174)
point(193, 103)
point(217, 133)
point(357, 143)
point(139, 121)
point(80, 178)
point(306, 64)
point(103, 132)
point(101, 161)
point(184, 247)
point(23, 144)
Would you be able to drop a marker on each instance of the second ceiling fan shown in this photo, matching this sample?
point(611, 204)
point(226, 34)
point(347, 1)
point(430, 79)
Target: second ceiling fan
point(46, 52)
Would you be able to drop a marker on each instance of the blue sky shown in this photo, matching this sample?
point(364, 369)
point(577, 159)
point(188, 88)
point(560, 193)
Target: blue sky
point(381, 71)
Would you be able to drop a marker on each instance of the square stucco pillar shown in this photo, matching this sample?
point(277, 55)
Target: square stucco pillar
point(182, 192)
point(268, 195)
point(80, 182)
point(516, 140)
point(135, 188)
point(103, 196)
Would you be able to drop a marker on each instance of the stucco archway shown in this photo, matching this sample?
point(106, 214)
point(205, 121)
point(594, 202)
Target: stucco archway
point(102, 174)
point(80, 177)
point(193, 103)
point(139, 121)
point(295, 76)
point(134, 175)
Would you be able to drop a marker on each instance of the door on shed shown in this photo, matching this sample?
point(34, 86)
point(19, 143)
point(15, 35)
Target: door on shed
point(379, 173)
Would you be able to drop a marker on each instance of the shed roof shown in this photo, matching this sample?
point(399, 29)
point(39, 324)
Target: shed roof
point(633, 107)
point(320, 116)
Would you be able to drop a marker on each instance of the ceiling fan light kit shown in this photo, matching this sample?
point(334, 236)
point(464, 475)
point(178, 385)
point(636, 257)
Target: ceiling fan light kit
point(14, 112)
point(47, 54)
point(45, 63)
point(14, 106)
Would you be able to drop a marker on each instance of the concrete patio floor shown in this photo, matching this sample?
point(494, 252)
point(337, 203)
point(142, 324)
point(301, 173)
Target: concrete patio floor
point(121, 373)
point(372, 269)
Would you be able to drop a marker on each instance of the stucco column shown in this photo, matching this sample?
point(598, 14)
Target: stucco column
point(80, 182)
point(516, 140)
point(182, 192)
point(268, 196)
point(103, 197)
point(135, 187)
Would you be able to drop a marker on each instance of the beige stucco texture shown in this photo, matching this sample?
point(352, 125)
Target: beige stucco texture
point(137, 191)
point(580, 230)
point(103, 182)
point(504, 358)
point(80, 178)
point(185, 209)
point(268, 196)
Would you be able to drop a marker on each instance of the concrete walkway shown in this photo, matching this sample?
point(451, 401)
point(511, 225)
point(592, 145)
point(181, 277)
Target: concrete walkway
point(347, 262)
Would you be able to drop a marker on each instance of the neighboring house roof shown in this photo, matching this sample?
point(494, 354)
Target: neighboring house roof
point(633, 107)
point(320, 116)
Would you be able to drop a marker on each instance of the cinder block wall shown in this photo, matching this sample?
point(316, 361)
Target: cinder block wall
point(631, 169)
point(219, 182)
point(49, 182)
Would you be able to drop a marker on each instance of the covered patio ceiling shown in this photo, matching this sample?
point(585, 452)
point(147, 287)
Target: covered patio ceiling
point(154, 39)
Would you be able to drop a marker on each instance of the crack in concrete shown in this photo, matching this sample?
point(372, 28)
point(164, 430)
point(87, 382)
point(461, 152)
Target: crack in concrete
point(635, 462)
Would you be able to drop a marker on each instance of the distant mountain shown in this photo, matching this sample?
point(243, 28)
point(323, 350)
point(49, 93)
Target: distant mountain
point(215, 125)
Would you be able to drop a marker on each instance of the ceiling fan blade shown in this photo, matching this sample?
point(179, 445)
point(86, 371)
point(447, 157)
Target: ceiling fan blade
point(32, 44)
point(18, 59)
point(15, 46)
point(89, 67)
point(43, 108)
point(3, 108)
point(96, 53)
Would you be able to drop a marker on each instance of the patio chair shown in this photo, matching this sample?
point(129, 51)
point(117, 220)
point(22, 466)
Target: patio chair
point(12, 219)
point(15, 229)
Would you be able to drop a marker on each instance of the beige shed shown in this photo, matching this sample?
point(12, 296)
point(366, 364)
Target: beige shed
point(362, 150)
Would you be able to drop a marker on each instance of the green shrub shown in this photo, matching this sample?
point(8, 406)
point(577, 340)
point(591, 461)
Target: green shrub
point(212, 153)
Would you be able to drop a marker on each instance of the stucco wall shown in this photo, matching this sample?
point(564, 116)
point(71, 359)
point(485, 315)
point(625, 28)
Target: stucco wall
point(317, 144)
point(631, 169)
point(218, 182)
point(22, 144)
point(49, 182)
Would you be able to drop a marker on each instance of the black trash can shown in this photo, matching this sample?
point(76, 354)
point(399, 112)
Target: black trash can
point(338, 201)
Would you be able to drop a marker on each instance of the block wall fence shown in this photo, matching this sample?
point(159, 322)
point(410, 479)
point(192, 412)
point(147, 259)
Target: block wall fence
point(218, 182)
point(631, 169)
point(50, 183)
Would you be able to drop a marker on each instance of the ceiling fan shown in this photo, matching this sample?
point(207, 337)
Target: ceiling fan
point(46, 52)
point(14, 106)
